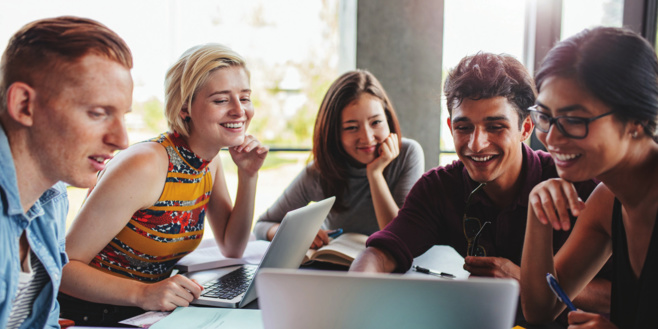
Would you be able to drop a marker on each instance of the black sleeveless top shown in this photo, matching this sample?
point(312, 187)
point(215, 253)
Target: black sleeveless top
point(634, 301)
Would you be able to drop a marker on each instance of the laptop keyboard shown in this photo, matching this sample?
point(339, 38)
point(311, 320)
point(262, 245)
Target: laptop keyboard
point(231, 284)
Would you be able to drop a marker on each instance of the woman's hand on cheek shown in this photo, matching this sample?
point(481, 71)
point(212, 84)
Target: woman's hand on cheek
point(388, 150)
point(250, 155)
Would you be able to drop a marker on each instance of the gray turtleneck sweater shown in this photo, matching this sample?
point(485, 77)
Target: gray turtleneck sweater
point(401, 174)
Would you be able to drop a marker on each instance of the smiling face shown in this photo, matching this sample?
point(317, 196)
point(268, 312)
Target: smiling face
point(488, 139)
point(81, 121)
point(221, 110)
point(363, 128)
point(580, 159)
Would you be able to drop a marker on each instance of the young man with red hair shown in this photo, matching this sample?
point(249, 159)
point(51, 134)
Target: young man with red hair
point(65, 86)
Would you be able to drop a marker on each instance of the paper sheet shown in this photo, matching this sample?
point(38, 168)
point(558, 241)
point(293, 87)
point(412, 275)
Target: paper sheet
point(145, 320)
point(209, 253)
point(211, 317)
point(441, 259)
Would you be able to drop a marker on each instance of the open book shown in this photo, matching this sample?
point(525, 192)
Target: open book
point(341, 250)
point(207, 256)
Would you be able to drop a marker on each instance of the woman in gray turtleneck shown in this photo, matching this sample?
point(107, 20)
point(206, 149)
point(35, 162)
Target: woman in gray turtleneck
point(359, 156)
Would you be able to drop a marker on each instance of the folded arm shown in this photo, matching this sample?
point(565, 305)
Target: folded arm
point(578, 260)
point(231, 224)
point(303, 189)
point(385, 207)
point(374, 260)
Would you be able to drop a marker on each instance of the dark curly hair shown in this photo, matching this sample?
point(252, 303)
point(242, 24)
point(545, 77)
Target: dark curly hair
point(486, 75)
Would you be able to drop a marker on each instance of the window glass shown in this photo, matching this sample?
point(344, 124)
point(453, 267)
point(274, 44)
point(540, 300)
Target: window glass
point(291, 67)
point(655, 41)
point(470, 26)
point(581, 14)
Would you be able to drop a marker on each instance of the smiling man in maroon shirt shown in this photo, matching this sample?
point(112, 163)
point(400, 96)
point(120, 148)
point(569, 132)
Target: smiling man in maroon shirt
point(478, 204)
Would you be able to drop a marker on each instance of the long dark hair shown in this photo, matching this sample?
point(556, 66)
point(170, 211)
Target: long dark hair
point(330, 159)
point(616, 65)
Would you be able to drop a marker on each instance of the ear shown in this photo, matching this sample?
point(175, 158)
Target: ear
point(639, 126)
point(526, 128)
point(20, 103)
point(184, 112)
point(450, 124)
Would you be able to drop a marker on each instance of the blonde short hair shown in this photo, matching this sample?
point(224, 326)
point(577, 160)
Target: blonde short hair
point(189, 73)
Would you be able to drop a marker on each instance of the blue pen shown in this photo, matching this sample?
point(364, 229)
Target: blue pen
point(559, 293)
point(335, 233)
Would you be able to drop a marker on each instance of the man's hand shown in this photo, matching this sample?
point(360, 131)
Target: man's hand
point(495, 267)
point(373, 260)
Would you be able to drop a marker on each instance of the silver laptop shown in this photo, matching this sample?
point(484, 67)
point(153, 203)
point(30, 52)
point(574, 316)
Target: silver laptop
point(234, 286)
point(293, 299)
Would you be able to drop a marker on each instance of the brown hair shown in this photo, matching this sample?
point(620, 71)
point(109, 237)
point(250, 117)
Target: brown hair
point(486, 75)
point(330, 158)
point(41, 49)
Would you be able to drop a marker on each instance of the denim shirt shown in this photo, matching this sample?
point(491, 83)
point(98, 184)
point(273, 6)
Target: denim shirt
point(45, 225)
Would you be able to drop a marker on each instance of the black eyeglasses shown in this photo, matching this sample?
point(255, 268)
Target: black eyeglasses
point(473, 228)
point(572, 127)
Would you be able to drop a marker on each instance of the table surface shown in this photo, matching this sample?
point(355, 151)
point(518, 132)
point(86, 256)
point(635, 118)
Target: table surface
point(333, 267)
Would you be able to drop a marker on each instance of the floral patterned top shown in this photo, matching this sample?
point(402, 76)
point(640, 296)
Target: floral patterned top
point(155, 238)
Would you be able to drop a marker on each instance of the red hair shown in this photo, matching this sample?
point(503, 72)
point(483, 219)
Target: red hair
point(43, 48)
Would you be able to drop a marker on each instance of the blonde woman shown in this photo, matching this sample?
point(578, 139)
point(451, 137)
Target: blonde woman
point(150, 205)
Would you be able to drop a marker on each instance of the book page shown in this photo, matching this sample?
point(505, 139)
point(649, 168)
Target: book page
point(341, 250)
point(347, 244)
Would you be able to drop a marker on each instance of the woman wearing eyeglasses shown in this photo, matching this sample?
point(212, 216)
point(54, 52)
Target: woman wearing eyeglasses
point(596, 113)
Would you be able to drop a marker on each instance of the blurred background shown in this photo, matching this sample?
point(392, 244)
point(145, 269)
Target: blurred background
point(296, 48)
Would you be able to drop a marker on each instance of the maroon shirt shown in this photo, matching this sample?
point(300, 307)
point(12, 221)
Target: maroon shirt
point(432, 213)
